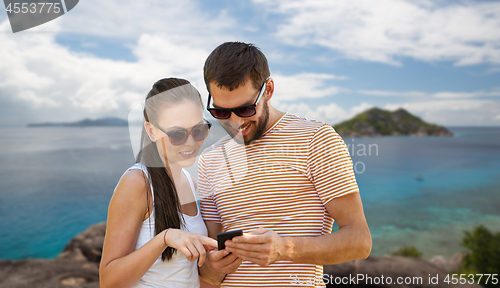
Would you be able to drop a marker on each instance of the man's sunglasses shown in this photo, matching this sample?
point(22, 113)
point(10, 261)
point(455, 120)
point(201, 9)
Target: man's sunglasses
point(180, 136)
point(242, 111)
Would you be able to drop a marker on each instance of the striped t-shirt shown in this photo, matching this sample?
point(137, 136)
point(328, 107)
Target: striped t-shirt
point(281, 182)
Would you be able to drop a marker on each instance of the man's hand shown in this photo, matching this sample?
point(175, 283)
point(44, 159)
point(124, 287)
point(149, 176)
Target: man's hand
point(262, 247)
point(218, 264)
point(222, 261)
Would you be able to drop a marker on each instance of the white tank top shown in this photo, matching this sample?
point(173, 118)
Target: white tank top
point(178, 271)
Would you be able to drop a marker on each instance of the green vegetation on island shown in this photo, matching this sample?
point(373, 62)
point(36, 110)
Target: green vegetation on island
point(378, 122)
point(481, 260)
point(482, 256)
point(408, 251)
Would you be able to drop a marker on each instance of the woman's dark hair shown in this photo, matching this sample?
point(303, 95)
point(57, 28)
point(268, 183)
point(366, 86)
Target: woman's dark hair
point(231, 62)
point(167, 207)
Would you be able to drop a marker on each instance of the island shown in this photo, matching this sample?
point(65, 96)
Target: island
point(377, 122)
point(108, 121)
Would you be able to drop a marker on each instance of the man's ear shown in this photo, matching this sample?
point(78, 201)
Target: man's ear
point(269, 89)
point(150, 129)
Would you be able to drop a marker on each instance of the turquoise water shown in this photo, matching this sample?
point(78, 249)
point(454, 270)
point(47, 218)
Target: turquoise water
point(55, 182)
point(459, 188)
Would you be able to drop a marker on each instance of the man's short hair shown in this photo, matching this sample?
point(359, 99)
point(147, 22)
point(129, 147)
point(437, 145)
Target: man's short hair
point(231, 62)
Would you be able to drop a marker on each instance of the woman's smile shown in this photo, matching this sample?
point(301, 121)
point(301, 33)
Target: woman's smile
point(188, 154)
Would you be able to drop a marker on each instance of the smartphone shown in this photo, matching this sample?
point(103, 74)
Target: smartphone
point(222, 237)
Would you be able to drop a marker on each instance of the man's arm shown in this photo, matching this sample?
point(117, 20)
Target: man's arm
point(213, 228)
point(217, 263)
point(352, 241)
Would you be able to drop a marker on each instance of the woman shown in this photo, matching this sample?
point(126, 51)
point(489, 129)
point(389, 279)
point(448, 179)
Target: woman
point(154, 229)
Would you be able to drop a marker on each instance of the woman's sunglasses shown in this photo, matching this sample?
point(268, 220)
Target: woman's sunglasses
point(180, 136)
point(242, 111)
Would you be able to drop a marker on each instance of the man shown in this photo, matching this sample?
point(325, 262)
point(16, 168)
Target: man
point(280, 178)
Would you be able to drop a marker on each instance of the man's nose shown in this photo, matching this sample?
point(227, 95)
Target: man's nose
point(237, 120)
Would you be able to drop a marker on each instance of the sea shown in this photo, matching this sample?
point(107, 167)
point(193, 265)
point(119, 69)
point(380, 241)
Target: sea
point(417, 191)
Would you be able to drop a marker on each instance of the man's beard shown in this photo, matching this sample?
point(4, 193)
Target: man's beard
point(259, 128)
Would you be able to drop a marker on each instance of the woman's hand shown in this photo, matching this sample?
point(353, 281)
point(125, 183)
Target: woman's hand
point(192, 245)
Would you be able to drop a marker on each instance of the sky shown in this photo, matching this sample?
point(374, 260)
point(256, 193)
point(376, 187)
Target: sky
point(330, 60)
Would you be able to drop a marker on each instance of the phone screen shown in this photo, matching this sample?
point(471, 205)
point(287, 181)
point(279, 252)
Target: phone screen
point(222, 237)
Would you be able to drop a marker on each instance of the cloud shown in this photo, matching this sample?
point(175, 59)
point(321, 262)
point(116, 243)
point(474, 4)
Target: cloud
point(443, 94)
point(305, 85)
point(63, 85)
point(360, 108)
point(393, 93)
point(463, 32)
point(461, 112)
point(331, 113)
point(43, 75)
point(456, 112)
point(441, 105)
point(181, 21)
point(466, 94)
point(45, 81)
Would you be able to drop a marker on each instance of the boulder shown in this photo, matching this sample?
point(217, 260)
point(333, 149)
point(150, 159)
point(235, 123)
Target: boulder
point(76, 266)
point(86, 246)
point(53, 273)
point(448, 265)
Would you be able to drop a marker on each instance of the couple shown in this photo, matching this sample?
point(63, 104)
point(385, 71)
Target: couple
point(283, 187)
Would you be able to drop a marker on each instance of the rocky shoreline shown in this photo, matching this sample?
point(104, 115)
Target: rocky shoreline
point(78, 266)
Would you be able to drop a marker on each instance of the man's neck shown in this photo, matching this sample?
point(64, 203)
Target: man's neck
point(274, 116)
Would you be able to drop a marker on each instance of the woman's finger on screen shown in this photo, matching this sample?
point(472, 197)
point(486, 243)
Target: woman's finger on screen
point(208, 242)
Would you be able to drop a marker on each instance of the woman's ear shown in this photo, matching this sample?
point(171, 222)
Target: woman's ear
point(150, 129)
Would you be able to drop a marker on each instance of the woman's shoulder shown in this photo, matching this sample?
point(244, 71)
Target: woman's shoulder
point(133, 181)
point(138, 166)
point(130, 195)
point(137, 173)
point(134, 176)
